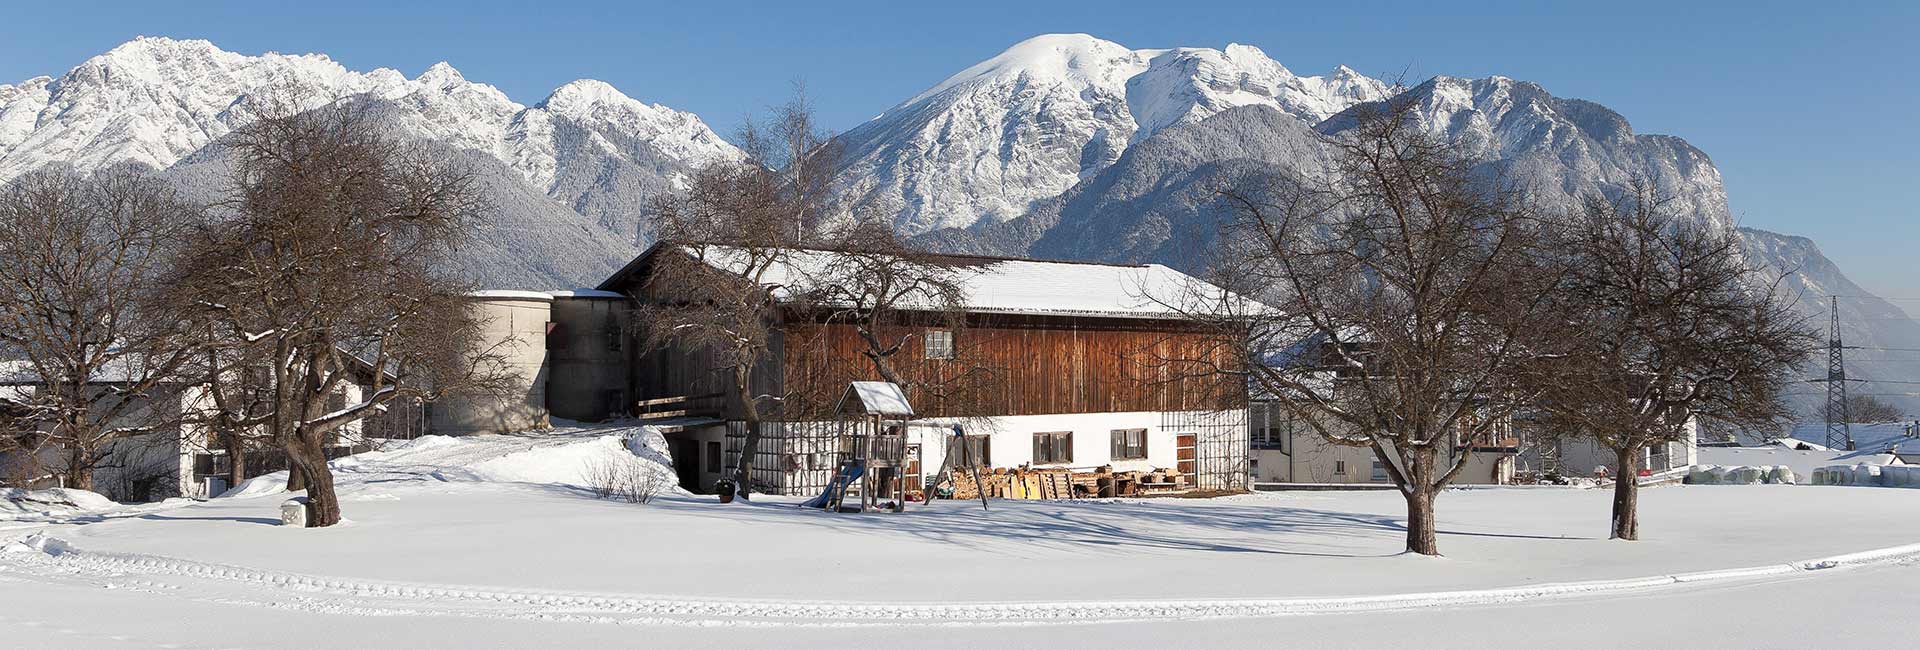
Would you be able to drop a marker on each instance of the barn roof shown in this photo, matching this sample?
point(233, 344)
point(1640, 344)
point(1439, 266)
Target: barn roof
point(1007, 285)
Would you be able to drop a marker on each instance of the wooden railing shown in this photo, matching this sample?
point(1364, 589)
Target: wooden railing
point(680, 406)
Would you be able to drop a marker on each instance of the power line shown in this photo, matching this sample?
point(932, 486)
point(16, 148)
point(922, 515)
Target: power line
point(1874, 298)
point(1856, 394)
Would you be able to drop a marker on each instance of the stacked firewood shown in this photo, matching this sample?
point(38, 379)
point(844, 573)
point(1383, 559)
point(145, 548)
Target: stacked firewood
point(1056, 483)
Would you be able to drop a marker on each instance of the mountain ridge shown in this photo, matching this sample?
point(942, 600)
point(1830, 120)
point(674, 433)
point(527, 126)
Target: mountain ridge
point(1063, 145)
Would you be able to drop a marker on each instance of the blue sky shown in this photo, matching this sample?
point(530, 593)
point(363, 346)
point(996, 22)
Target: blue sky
point(1808, 109)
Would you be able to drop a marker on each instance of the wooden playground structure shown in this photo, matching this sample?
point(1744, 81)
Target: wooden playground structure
point(879, 470)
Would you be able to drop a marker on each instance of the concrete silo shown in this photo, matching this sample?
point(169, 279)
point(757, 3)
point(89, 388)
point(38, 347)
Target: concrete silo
point(514, 325)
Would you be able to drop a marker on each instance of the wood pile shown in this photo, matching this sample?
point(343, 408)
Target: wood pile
point(1056, 483)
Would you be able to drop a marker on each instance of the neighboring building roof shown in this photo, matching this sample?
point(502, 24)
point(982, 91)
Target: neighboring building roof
point(20, 372)
point(1868, 439)
point(1016, 286)
point(586, 293)
point(511, 294)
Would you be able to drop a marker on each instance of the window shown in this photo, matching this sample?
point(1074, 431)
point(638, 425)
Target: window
point(1379, 471)
point(1269, 428)
point(977, 452)
point(1053, 447)
point(1339, 468)
point(713, 457)
point(1129, 444)
point(939, 344)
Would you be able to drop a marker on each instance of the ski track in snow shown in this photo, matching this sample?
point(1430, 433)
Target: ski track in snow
point(235, 585)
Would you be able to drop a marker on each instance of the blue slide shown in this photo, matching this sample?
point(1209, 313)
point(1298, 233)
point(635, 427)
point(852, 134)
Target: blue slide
point(848, 473)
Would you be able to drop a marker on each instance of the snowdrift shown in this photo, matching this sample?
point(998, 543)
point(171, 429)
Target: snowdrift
point(52, 501)
point(565, 456)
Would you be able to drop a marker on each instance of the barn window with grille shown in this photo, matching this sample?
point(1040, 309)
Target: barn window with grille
point(1129, 444)
point(977, 452)
point(1053, 448)
point(939, 344)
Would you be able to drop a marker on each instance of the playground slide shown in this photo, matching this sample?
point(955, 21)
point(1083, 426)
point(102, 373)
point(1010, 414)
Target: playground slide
point(841, 479)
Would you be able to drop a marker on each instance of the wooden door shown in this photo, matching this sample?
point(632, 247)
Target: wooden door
point(914, 481)
point(1186, 450)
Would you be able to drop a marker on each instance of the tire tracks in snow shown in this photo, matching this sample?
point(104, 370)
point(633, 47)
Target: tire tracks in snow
point(211, 582)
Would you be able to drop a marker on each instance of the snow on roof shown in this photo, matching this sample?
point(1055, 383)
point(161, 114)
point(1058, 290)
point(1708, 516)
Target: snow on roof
point(124, 369)
point(510, 294)
point(1872, 438)
point(586, 293)
point(1021, 286)
point(877, 398)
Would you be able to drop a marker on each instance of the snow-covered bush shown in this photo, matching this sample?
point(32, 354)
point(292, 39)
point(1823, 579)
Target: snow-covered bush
point(627, 479)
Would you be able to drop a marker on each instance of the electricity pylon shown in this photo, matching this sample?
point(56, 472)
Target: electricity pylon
point(1839, 432)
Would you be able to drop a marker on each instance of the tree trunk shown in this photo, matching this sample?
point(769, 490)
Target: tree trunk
point(1420, 523)
point(236, 447)
point(296, 477)
point(323, 505)
point(743, 473)
point(1626, 494)
point(1420, 493)
point(79, 470)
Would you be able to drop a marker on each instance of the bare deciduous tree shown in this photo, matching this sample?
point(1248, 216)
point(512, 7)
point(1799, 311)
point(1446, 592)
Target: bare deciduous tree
point(327, 270)
point(716, 288)
point(80, 260)
point(1673, 326)
point(1868, 409)
point(890, 294)
point(1403, 305)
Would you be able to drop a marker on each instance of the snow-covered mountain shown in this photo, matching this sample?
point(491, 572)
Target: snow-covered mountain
point(1563, 149)
point(156, 101)
point(986, 144)
point(1865, 321)
point(1158, 201)
point(1062, 146)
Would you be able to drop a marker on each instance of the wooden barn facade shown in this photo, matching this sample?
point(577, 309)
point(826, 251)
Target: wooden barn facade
point(1057, 365)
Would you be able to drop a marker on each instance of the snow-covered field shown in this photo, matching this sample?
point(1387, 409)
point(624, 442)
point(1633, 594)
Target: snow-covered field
point(493, 542)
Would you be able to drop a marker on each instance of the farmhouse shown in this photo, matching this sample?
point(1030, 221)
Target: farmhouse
point(1285, 449)
point(1058, 365)
point(174, 454)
